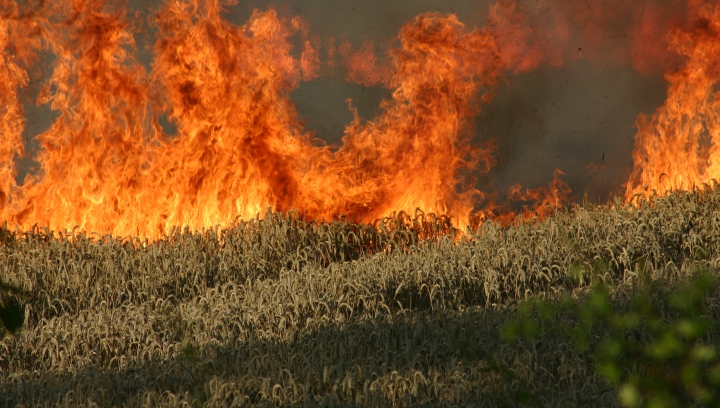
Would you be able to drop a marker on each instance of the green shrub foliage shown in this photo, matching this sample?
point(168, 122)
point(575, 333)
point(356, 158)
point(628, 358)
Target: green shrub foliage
point(655, 343)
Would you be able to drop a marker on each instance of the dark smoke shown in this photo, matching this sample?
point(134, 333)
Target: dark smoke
point(574, 118)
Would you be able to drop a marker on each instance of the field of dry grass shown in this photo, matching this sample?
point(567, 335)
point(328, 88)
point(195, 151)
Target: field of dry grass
point(283, 312)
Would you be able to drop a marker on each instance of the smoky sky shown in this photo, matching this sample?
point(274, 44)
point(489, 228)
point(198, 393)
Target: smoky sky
point(577, 117)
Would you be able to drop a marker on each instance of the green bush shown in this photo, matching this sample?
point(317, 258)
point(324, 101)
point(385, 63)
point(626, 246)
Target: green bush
point(657, 346)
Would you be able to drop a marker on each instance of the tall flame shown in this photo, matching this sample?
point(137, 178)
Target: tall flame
point(678, 147)
point(107, 166)
point(18, 41)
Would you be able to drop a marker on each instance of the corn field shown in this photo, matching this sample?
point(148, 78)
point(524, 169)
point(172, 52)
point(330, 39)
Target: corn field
point(282, 311)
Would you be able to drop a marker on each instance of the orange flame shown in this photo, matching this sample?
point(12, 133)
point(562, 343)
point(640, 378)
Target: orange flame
point(678, 147)
point(18, 41)
point(107, 166)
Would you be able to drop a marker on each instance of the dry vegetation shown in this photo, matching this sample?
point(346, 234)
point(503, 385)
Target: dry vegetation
point(286, 312)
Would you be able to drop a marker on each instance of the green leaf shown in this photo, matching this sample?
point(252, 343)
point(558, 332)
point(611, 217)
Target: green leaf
point(610, 371)
point(611, 348)
point(625, 321)
point(690, 373)
point(714, 374)
point(599, 301)
point(530, 329)
point(666, 347)
point(547, 311)
point(629, 395)
point(701, 394)
point(658, 401)
point(580, 338)
point(691, 329)
point(702, 352)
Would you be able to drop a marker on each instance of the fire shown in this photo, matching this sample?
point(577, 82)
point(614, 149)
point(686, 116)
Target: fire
point(18, 41)
point(678, 147)
point(106, 165)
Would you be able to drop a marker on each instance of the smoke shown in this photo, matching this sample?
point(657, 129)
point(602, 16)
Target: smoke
point(574, 118)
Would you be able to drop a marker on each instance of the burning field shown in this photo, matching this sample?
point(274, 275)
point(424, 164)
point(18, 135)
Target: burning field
point(233, 145)
point(186, 229)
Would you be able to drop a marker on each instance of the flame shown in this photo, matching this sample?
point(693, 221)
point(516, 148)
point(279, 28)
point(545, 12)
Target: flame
point(18, 41)
point(107, 166)
point(678, 147)
point(546, 199)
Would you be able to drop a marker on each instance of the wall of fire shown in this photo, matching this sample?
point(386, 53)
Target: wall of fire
point(577, 116)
